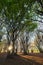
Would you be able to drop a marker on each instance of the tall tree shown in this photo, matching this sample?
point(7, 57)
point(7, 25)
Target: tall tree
point(16, 14)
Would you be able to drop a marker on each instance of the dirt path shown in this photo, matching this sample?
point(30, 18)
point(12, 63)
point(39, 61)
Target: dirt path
point(34, 58)
point(20, 60)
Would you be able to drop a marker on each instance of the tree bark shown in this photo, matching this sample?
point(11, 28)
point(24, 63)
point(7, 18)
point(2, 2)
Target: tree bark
point(24, 47)
point(8, 37)
point(13, 42)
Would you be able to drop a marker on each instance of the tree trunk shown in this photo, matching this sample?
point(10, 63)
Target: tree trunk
point(13, 42)
point(24, 47)
point(8, 38)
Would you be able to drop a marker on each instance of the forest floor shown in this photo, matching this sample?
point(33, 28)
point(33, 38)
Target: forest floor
point(21, 59)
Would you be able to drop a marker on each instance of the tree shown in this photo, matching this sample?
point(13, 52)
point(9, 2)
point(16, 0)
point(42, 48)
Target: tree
point(40, 40)
point(16, 15)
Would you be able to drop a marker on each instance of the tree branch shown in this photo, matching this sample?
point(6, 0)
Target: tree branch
point(40, 1)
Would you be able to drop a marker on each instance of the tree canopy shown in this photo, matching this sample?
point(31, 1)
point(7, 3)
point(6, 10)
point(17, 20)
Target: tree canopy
point(16, 13)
